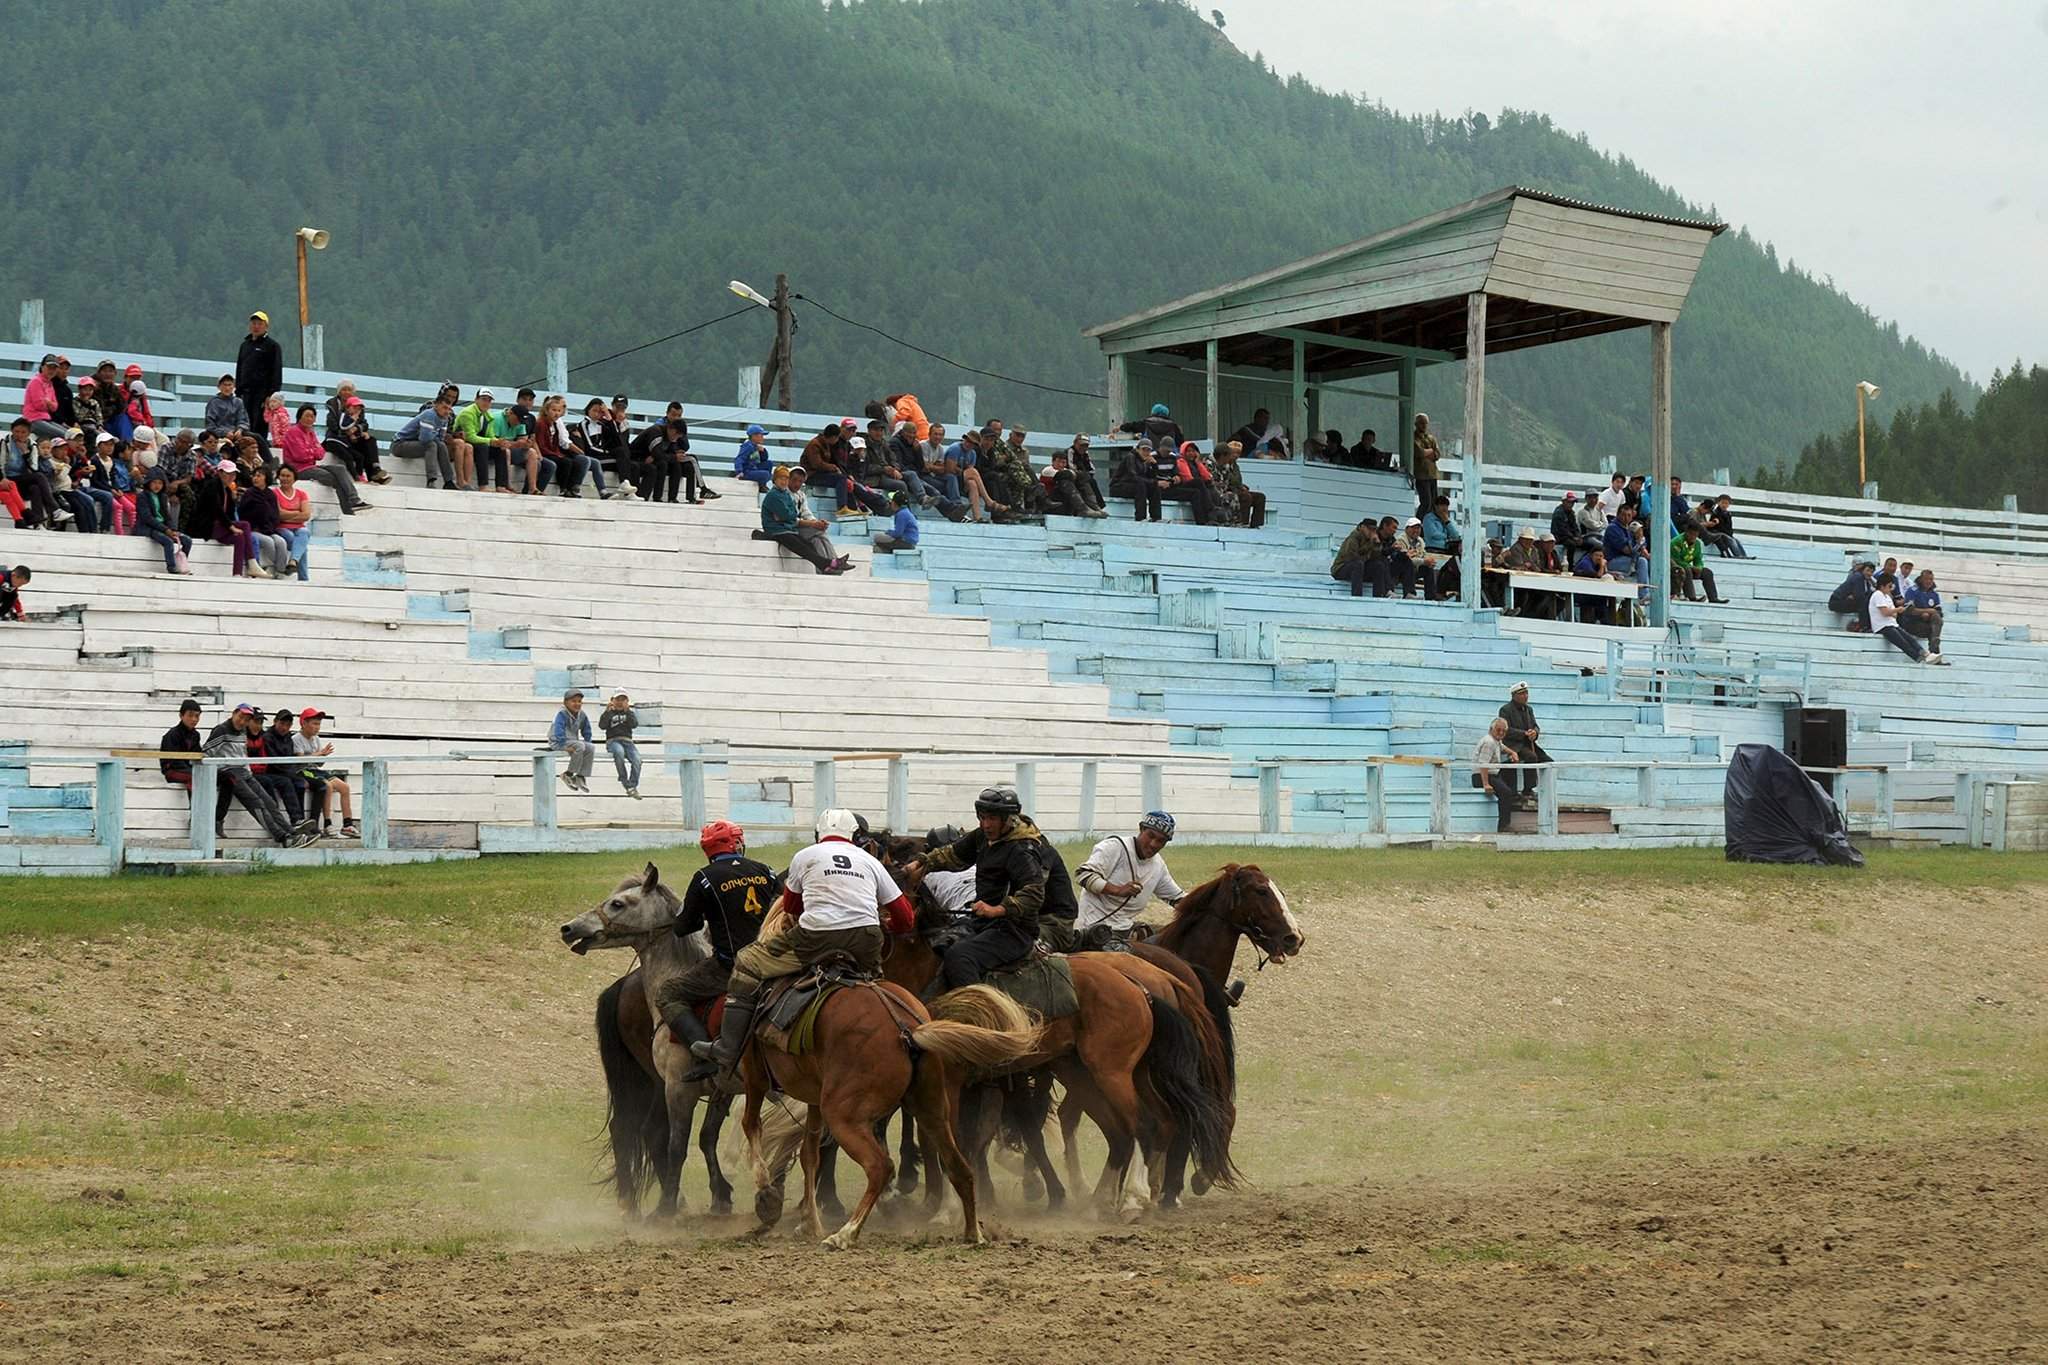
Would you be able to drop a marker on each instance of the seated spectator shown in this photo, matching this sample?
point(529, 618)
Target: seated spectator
point(1489, 757)
point(1158, 427)
point(1905, 576)
point(112, 392)
point(226, 414)
point(570, 734)
point(1011, 479)
point(11, 584)
point(865, 501)
point(1525, 556)
point(1193, 483)
point(1083, 464)
point(522, 436)
point(39, 403)
point(348, 435)
point(1681, 507)
point(1438, 572)
point(116, 466)
point(155, 518)
point(1632, 496)
point(1689, 567)
point(963, 474)
point(92, 490)
point(1599, 610)
point(1257, 433)
point(11, 502)
point(1920, 613)
point(1405, 572)
point(1589, 527)
point(92, 415)
point(283, 779)
point(596, 439)
point(802, 536)
point(1238, 503)
point(1493, 576)
point(1367, 453)
point(619, 720)
point(821, 461)
point(182, 738)
point(902, 532)
point(1852, 597)
point(484, 445)
point(1565, 529)
point(1626, 555)
point(257, 508)
point(905, 454)
point(216, 517)
point(301, 448)
point(752, 462)
point(560, 457)
point(237, 737)
point(294, 520)
point(878, 466)
point(1362, 558)
point(1521, 736)
point(325, 789)
point(1151, 476)
point(1440, 529)
point(425, 437)
point(139, 412)
point(1062, 489)
point(1884, 614)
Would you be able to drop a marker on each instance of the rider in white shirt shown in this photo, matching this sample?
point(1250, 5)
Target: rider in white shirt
point(1121, 877)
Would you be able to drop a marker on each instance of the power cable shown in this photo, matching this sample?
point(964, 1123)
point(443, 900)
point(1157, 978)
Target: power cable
point(672, 336)
point(942, 359)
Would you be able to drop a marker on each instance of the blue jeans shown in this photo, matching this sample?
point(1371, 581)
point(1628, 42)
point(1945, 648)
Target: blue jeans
point(170, 542)
point(297, 545)
point(915, 486)
point(626, 758)
point(569, 471)
point(1631, 566)
point(94, 508)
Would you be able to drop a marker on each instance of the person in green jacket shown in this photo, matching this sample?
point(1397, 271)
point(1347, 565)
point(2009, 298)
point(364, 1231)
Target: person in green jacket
point(783, 522)
point(481, 431)
point(1689, 566)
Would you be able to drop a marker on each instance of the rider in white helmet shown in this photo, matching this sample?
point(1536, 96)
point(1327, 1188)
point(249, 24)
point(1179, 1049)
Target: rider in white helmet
point(842, 898)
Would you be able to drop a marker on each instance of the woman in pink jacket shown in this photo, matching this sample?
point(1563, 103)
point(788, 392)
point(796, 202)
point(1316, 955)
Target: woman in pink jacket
point(301, 448)
point(39, 404)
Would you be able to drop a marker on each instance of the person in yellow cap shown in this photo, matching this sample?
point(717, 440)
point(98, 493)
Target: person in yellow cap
point(259, 372)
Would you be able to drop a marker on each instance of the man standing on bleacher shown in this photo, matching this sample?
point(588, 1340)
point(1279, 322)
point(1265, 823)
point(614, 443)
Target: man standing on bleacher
point(259, 372)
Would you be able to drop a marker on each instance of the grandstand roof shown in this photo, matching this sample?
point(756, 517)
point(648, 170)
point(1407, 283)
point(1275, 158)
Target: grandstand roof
point(1554, 268)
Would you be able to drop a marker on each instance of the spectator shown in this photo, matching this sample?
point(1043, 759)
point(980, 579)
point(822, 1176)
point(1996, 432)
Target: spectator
point(112, 395)
point(661, 463)
point(67, 405)
point(1062, 491)
point(294, 520)
point(1159, 428)
point(1884, 614)
point(1255, 434)
point(1194, 483)
point(1564, 524)
point(1427, 471)
point(934, 445)
point(1921, 613)
point(1632, 496)
point(909, 413)
point(1489, 756)
point(1624, 546)
point(11, 584)
point(1151, 476)
point(594, 438)
point(1904, 576)
point(1689, 567)
point(1238, 501)
point(618, 721)
point(963, 462)
point(31, 473)
point(425, 437)
point(302, 450)
point(570, 734)
point(752, 461)
point(92, 417)
point(1083, 465)
point(1440, 530)
point(226, 413)
point(560, 458)
point(1011, 478)
point(907, 457)
point(1614, 497)
point(324, 789)
point(1852, 597)
point(1429, 567)
point(11, 503)
point(522, 426)
point(1362, 558)
point(157, 519)
point(181, 462)
point(214, 518)
point(39, 403)
point(802, 536)
point(123, 467)
point(1589, 525)
point(182, 738)
point(237, 737)
point(1525, 557)
point(482, 429)
point(259, 371)
point(880, 467)
point(276, 420)
point(348, 435)
point(867, 501)
point(257, 508)
point(902, 532)
point(1367, 453)
point(1521, 736)
point(92, 492)
point(283, 779)
point(1681, 509)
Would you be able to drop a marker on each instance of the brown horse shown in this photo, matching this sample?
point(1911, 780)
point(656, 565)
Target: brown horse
point(876, 1049)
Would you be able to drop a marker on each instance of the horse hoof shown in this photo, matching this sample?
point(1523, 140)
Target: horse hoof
point(838, 1241)
point(721, 1208)
point(1200, 1183)
point(768, 1207)
point(1131, 1214)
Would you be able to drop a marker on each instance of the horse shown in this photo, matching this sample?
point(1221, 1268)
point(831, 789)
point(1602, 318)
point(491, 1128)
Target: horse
point(874, 1049)
point(640, 914)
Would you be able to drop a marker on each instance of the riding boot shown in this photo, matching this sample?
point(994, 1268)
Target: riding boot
point(724, 1055)
point(687, 1028)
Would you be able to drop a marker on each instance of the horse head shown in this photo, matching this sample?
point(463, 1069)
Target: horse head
point(1252, 903)
point(638, 906)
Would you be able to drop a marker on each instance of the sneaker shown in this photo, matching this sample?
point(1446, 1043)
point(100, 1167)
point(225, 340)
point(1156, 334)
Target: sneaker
point(349, 830)
point(254, 570)
point(1935, 659)
point(220, 832)
point(291, 566)
point(568, 781)
point(850, 512)
point(380, 477)
point(362, 478)
point(633, 792)
point(302, 838)
point(709, 496)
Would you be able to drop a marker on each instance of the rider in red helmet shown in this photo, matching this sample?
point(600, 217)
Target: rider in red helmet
point(727, 898)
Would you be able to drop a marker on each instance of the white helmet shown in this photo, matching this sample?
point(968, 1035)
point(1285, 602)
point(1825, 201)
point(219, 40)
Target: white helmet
point(839, 821)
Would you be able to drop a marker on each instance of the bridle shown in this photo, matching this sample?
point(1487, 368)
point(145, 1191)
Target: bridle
point(1262, 946)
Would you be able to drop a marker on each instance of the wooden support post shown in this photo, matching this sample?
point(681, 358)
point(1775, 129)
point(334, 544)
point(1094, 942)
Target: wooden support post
point(748, 394)
point(1881, 807)
point(557, 360)
point(110, 810)
point(1027, 786)
point(965, 407)
point(1269, 788)
point(1646, 786)
point(1117, 391)
point(1376, 799)
point(1406, 403)
point(1091, 773)
point(780, 369)
point(691, 774)
point(1546, 799)
point(205, 790)
point(1152, 786)
point(1212, 394)
point(1659, 492)
point(1995, 835)
point(313, 346)
point(1973, 820)
point(899, 794)
point(544, 796)
point(376, 803)
point(32, 323)
point(1297, 429)
point(1440, 800)
point(824, 787)
point(1475, 450)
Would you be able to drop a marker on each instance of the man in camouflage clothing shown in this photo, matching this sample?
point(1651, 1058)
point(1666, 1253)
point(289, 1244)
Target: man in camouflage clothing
point(1241, 504)
point(1011, 480)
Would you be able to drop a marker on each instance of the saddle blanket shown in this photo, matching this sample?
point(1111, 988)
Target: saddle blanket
point(1043, 984)
point(789, 1018)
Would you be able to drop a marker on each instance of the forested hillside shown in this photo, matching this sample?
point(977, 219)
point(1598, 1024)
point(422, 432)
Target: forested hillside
point(986, 177)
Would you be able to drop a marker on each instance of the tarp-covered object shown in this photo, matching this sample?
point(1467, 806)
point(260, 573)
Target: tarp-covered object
point(1777, 814)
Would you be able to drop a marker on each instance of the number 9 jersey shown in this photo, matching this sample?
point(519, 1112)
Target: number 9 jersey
point(835, 885)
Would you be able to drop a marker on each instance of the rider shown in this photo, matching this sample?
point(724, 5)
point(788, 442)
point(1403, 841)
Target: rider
point(835, 891)
point(728, 897)
point(1018, 878)
point(1120, 878)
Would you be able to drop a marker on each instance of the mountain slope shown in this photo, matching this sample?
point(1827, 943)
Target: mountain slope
point(985, 177)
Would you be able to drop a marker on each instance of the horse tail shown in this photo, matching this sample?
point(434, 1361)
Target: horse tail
point(1007, 1033)
point(1218, 1006)
point(1174, 1063)
point(633, 1101)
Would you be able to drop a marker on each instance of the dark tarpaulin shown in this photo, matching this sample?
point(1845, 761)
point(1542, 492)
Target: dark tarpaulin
point(1777, 814)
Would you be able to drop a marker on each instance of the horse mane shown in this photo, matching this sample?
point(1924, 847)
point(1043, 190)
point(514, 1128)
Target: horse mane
point(1196, 902)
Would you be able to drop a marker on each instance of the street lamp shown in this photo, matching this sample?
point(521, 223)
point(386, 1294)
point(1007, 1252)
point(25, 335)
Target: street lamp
point(778, 373)
point(749, 293)
point(317, 239)
point(1865, 390)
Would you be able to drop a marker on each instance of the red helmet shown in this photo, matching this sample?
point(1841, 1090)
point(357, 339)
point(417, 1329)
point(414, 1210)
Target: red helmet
point(721, 836)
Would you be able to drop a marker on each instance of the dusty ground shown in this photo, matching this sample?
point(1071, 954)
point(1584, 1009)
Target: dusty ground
point(1690, 1123)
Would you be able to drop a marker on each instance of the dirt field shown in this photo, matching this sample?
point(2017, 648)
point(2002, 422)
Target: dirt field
point(1728, 1120)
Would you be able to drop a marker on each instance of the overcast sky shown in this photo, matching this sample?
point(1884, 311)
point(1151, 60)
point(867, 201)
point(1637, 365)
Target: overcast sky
point(1899, 146)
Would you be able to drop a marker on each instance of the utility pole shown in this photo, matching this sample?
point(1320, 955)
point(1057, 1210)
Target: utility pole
point(779, 371)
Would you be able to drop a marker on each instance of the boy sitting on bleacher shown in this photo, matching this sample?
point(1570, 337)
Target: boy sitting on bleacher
point(11, 584)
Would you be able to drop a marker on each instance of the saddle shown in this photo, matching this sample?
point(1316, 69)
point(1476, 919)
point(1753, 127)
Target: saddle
point(1040, 981)
point(788, 1015)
